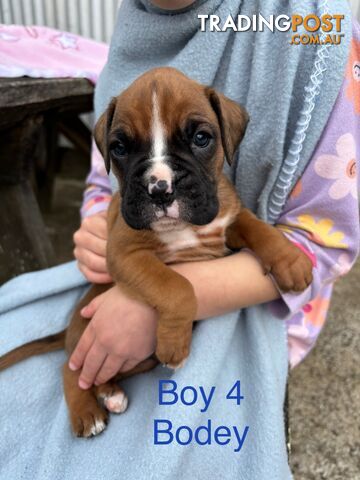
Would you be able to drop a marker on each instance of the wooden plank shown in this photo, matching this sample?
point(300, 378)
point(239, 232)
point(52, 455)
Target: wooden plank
point(20, 97)
point(22, 91)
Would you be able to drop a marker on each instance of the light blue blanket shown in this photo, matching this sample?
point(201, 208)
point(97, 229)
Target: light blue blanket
point(36, 441)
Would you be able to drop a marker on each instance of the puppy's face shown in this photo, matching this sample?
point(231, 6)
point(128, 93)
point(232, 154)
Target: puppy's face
point(165, 138)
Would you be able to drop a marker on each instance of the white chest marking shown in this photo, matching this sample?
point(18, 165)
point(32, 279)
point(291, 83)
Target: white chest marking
point(182, 238)
point(216, 224)
point(179, 239)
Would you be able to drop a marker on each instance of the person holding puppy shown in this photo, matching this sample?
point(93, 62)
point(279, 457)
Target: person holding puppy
point(296, 168)
point(226, 276)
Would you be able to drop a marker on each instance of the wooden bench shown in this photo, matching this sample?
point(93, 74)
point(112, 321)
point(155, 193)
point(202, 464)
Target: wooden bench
point(32, 114)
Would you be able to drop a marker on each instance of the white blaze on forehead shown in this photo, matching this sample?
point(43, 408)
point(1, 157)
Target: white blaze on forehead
point(159, 169)
point(158, 133)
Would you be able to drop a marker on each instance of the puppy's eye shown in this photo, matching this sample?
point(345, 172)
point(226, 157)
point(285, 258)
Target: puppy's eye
point(119, 149)
point(202, 139)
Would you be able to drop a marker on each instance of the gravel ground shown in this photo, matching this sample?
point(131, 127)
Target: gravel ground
point(325, 394)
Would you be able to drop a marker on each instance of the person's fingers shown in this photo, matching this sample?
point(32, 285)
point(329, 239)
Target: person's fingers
point(94, 277)
point(89, 310)
point(129, 365)
point(109, 369)
point(94, 262)
point(96, 225)
point(84, 239)
point(82, 348)
point(92, 364)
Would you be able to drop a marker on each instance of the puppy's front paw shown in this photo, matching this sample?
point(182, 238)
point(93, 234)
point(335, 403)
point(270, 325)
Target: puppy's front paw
point(291, 269)
point(89, 422)
point(173, 346)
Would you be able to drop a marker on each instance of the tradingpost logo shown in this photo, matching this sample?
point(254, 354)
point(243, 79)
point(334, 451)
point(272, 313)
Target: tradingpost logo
point(305, 30)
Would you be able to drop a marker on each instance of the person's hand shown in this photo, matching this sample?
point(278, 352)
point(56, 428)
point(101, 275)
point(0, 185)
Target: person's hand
point(90, 248)
point(121, 334)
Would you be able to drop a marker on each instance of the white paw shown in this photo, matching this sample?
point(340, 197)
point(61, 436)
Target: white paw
point(97, 428)
point(116, 403)
point(177, 366)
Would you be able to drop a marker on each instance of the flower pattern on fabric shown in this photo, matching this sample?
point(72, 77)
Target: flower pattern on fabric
point(315, 311)
point(296, 190)
point(304, 328)
point(96, 201)
point(340, 268)
point(353, 75)
point(321, 231)
point(322, 215)
point(340, 167)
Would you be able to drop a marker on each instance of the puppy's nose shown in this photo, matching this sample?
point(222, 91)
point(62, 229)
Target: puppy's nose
point(159, 188)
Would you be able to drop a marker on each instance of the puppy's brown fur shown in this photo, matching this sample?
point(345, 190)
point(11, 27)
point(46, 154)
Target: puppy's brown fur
point(138, 260)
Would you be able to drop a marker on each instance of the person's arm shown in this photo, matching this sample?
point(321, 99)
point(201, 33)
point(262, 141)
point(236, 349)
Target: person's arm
point(122, 331)
point(97, 194)
point(228, 284)
point(90, 239)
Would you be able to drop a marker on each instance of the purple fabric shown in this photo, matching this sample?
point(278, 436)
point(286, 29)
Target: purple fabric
point(322, 214)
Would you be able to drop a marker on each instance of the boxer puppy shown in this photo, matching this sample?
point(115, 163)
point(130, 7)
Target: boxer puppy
point(166, 138)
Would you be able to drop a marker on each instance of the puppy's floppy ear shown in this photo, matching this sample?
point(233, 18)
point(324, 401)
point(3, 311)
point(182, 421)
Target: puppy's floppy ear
point(101, 132)
point(233, 120)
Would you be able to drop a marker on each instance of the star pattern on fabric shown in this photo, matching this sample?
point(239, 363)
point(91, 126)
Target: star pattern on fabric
point(65, 41)
point(8, 37)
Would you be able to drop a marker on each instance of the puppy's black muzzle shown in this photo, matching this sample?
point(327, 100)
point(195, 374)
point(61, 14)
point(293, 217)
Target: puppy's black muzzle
point(193, 188)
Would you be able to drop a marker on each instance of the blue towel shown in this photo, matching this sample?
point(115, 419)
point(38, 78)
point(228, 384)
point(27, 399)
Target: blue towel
point(36, 441)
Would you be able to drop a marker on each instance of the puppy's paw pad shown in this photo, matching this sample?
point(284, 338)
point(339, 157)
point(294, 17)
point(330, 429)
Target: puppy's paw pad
point(116, 403)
